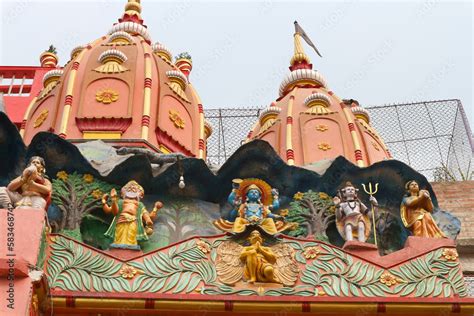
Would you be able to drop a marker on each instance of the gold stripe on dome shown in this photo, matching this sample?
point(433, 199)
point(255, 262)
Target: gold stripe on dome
point(289, 132)
point(354, 136)
point(147, 90)
point(70, 91)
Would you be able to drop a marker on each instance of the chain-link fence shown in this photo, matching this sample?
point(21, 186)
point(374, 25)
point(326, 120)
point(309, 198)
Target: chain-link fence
point(433, 137)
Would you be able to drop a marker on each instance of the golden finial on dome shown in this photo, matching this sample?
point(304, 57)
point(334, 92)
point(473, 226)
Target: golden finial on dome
point(299, 56)
point(133, 8)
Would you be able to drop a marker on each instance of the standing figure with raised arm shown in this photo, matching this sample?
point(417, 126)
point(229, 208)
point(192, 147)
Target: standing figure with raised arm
point(352, 216)
point(129, 212)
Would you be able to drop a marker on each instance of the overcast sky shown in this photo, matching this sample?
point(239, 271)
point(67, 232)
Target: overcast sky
point(375, 52)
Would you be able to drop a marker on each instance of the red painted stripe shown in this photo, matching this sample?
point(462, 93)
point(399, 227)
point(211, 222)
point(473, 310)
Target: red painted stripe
point(200, 108)
point(305, 307)
point(228, 306)
point(351, 127)
point(145, 120)
point(358, 154)
point(149, 303)
point(289, 120)
point(23, 124)
point(68, 100)
point(201, 144)
point(70, 301)
point(147, 55)
point(456, 308)
point(381, 308)
point(290, 154)
point(62, 135)
point(148, 83)
point(75, 65)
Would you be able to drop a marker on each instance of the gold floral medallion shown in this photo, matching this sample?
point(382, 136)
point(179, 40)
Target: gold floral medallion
point(106, 96)
point(324, 146)
point(322, 128)
point(177, 120)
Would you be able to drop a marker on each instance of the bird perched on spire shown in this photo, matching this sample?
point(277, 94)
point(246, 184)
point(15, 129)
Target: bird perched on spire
point(299, 30)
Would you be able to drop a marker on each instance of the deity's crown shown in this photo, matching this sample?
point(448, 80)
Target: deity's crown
point(133, 186)
point(254, 187)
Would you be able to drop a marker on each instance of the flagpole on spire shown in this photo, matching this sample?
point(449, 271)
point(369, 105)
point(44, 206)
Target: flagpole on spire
point(299, 56)
point(300, 60)
point(299, 30)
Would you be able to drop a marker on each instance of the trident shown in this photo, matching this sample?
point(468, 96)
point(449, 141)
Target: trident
point(371, 192)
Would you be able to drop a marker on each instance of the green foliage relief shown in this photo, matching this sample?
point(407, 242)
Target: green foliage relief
point(186, 268)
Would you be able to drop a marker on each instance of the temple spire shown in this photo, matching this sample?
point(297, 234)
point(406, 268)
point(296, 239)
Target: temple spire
point(300, 60)
point(299, 56)
point(132, 12)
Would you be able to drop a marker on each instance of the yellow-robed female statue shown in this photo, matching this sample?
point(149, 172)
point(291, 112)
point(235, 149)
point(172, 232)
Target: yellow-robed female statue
point(415, 212)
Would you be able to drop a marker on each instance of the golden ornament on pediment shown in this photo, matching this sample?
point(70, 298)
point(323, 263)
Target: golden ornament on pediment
point(106, 96)
point(41, 118)
point(177, 120)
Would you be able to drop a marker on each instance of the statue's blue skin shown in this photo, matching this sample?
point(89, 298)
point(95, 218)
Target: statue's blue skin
point(232, 201)
point(253, 207)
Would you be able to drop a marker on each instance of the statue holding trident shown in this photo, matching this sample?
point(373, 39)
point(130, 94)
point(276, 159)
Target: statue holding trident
point(352, 216)
point(371, 192)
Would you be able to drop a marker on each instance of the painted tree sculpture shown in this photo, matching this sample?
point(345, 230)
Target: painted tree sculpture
point(314, 212)
point(76, 196)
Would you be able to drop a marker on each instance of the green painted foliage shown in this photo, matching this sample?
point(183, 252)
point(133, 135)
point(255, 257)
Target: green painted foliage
point(433, 275)
point(179, 220)
point(183, 268)
point(75, 268)
point(76, 195)
point(299, 210)
point(190, 267)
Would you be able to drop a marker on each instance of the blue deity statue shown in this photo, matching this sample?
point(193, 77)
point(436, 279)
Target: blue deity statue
point(254, 202)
